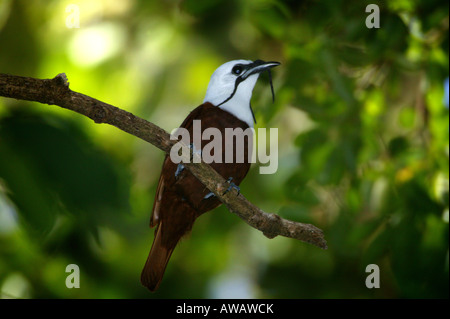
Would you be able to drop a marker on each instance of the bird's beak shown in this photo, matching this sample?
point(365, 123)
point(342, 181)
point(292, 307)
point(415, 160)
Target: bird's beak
point(258, 66)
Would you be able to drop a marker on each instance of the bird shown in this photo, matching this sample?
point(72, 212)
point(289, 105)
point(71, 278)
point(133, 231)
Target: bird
point(180, 198)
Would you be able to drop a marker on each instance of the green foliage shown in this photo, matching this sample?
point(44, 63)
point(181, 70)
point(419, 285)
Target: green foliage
point(68, 173)
point(363, 147)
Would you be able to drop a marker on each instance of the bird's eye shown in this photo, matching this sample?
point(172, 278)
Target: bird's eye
point(237, 69)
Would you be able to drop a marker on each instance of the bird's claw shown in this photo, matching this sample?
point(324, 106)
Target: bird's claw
point(232, 185)
point(209, 195)
point(195, 151)
point(180, 168)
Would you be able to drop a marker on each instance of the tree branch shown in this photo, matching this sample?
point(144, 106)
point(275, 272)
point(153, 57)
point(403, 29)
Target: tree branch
point(56, 92)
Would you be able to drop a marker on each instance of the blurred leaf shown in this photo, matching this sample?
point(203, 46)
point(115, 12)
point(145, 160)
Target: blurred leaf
point(397, 146)
point(73, 175)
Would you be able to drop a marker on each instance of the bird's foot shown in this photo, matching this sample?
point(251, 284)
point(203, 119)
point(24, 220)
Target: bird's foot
point(180, 168)
point(209, 195)
point(195, 151)
point(232, 185)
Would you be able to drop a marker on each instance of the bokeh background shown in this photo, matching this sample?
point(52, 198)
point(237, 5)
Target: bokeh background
point(362, 117)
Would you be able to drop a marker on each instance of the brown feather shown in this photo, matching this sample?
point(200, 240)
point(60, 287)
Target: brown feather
point(180, 200)
point(156, 263)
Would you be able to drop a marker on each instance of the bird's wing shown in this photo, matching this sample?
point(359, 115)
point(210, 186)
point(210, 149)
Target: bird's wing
point(187, 123)
point(154, 219)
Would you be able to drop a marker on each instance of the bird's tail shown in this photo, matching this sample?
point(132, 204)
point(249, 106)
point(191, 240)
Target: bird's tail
point(156, 263)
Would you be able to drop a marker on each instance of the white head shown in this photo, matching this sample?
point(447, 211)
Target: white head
point(231, 87)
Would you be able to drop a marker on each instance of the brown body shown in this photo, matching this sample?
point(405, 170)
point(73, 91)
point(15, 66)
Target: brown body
point(181, 199)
